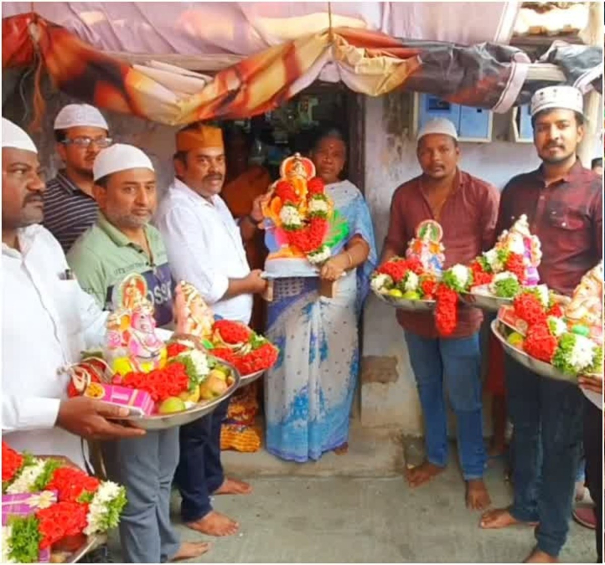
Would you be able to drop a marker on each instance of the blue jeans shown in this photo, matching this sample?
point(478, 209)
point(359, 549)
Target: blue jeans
point(547, 417)
point(455, 363)
point(200, 471)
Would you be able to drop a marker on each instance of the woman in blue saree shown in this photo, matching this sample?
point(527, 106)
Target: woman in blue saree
point(309, 392)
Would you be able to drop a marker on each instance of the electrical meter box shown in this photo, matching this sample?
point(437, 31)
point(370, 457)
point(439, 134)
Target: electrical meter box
point(472, 124)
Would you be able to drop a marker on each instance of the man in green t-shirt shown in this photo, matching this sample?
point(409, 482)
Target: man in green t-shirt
point(120, 243)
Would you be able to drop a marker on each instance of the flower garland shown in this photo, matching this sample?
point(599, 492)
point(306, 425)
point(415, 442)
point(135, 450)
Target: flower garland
point(306, 232)
point(246, 350)
point(84, 505)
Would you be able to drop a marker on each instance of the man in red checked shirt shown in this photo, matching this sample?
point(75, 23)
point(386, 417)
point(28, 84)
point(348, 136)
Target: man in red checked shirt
point(563, 202)
point(467, 208)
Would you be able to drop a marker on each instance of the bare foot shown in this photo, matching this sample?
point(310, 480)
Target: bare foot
point(539, 556)
point(233, 486)
point(215, 524)
point(477, 497)
point(501, 518)
point(342, 449)
point(580, 491)
point(190, 550)
point(422, 474)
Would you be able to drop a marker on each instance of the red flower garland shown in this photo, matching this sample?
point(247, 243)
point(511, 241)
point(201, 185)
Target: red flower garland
point(172, 380)
point(556, 310)
point(11, 462)
point(232, 333)
point(394, 269)
point(428, 287)
point(260, 359)
point(539, 342)
point(309, 238)
point(315, 186)
point(529, 308)
point(286, 193)
point(174, 349)
point(446, 312)
point(515, 265)
point(71, 483)
point(480, 277)
point(61, 520)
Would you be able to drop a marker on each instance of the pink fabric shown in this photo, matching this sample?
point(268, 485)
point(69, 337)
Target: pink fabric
point(241, 28)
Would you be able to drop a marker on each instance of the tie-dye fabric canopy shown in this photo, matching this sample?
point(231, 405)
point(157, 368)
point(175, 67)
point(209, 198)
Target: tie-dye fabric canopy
point(485, 75)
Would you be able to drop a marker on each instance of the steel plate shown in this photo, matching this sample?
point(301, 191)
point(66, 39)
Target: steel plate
point(249, 379)
point(484, 301)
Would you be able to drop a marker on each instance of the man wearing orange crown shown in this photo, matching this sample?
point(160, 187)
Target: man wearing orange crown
point(205, 247)
point(563, 202)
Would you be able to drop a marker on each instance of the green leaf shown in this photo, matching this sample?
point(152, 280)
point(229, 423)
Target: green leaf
point(50, 466)
point(597, 365)
point(25, 539)
point(561, 358)
point(114, 510)
point(450, 280)
point(507, 288)
point(86, 497)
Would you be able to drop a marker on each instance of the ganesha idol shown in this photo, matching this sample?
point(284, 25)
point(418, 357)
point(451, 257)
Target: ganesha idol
point(131, 342)
point(192, 314)
point(520, 241)
point(302, 227)
point(586, 305)
point(427, 247)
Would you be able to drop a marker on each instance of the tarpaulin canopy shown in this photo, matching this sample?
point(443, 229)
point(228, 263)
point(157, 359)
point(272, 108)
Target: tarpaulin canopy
point(369, 62)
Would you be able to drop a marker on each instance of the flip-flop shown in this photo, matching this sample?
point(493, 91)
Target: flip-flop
point(585, 516)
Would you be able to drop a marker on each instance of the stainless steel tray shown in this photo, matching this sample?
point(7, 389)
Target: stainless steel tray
point(249, 379)
point(484, 301)
point(404, 304)
point(539, 367)
point(165, 421)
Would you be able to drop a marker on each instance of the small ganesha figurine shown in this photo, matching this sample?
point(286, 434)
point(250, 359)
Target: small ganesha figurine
point(586, 305)
point(192, 314)
point(131, 342)
point(427, 247)
point(520, 240)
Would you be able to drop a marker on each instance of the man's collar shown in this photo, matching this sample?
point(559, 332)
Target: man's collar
point(575, 170)
point(26, 237)
point(67, 184)
point(458, 181)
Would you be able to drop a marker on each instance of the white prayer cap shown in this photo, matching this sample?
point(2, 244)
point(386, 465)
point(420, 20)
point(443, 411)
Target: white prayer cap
point(79, 115)
point(120, 157)
point(564, 97)
point(438, 125)
point(14, 136)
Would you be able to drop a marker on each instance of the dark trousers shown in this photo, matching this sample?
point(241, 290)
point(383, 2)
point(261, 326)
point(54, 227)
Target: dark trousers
point(200, 471)
point(593, 450)
point(547, 416)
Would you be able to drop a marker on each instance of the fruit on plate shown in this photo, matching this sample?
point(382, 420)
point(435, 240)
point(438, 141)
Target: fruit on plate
point(191, 396)
point(411, 295)
point(172, 405)
point(214, 386)
point(516, 340)
point(395, 293)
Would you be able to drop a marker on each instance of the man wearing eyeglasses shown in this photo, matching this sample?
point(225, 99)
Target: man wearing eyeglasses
point(70, 209)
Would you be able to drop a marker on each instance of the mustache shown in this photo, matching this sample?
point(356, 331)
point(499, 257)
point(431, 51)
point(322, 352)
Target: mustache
point(33, 198)
point(554, 145)
point(214, 176)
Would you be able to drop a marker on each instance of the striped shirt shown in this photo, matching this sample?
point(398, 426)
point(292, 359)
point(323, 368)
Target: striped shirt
point(68, 212)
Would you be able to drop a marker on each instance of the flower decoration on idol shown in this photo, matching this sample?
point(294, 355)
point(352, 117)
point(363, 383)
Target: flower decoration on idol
point(233, 342)
point(46, 501)
point(506, 268)
point(569, 337)
point(414, 277)
point(304, 221)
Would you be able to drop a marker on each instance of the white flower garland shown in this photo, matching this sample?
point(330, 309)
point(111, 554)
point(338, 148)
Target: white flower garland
point(319, 256)
point(462, 274)
point(26, 480)
point(99, 507)
point(411, 281)
point(582, 354)
point(318, 205)
point(199, 360)
point(290, 216)
point(380, 282)
point(557, 326)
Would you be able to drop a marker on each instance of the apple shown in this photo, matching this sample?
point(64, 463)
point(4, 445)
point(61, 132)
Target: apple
point(213, 387)
point(171, 405)
point(190, 396)
point(516, 340)
point(395, 293)
point(411, 295)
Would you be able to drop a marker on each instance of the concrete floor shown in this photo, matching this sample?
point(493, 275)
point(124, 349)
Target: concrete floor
point(346, 509)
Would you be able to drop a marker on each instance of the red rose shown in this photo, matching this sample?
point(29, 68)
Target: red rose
point(232, 333)
point(316, 186)
point(514, 264)
point(71, 483)
point(175, 349)
point(539, 342)
point(12, 462)
point(396, 269)
point(286, 193)
point(529, 308)
point(446, 312)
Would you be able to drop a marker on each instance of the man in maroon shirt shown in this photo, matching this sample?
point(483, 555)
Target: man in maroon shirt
point(466, 208)
point(563, 202)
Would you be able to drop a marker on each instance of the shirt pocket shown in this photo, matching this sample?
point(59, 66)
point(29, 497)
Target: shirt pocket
point(568, 226)
point(67, 293)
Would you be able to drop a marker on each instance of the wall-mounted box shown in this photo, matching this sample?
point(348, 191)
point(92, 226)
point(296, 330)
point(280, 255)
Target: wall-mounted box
point(472, 124)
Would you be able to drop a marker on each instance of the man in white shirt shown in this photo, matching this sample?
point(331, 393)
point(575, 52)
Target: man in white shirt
point(47, 320)
point(205, 247)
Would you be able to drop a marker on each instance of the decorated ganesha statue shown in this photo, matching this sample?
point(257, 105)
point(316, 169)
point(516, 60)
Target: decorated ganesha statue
point(519, 240)
point(586, 305)
point(427, 247)
point(193, 316)
point(131, 342)
point(302, 227)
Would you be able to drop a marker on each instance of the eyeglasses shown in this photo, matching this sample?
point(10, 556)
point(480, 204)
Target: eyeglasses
point(86, 142)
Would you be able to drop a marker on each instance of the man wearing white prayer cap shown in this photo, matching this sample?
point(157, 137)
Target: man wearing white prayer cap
point(563, 203)
point(466, 207)
point(70, 208)
point(122, 242)
point(47, 320)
